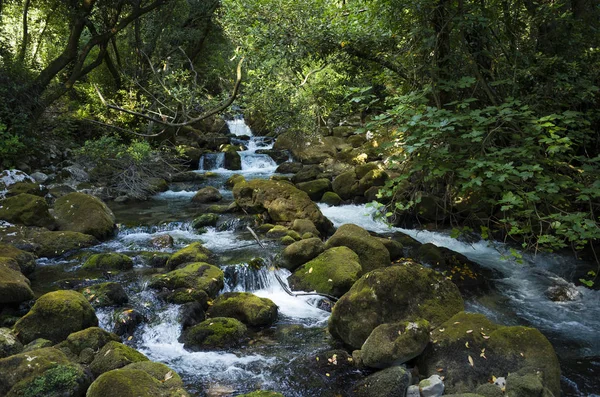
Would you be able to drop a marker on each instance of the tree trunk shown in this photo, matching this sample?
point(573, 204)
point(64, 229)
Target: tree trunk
point(25, 38)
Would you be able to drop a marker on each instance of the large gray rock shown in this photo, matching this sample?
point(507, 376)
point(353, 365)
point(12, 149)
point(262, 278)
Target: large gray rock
point(391, 382)
point(432, 386)
point(300, 252)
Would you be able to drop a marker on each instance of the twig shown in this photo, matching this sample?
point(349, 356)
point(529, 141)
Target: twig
point(255, 237)
point(287, 290)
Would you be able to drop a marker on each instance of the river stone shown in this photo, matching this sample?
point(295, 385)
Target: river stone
point(262, 393)
point(432, 386)
point(345, 185)
point(289, 168)
point(395, 343)
point(126, 321)
point(413, 391)
point(83, 213)
point(315, 189)
point(282, 201)
point(93, 338)
point(108, 261)
point(42, 372)
point(14, 286)
point(10, 177)
point(526, 385)
point(53, 244)
point(194, 252)
point(303, 226)
point(300, 252)
point(105, 294)
point(395, 248)
point(25, 260)
point(132, 382)
point(9, 344)
point(195, 276)
point(371, 252)
point(205, 220)
point(28, 188)
point(389, 382)
point(163, 241)
point(214, 333)
point(115, 355)
point(56, 315)
point(246, 307)
point(393, 294)
point(208, 194)
point(277, 231)
point(39, 343)
point(190, 314)
point(28, 210)
point(233, 180)
point(333, 272)
point(373, 178)
point(507, 350)
point(331, 198)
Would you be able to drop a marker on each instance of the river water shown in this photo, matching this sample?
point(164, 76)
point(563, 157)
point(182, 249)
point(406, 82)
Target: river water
point(282, 358)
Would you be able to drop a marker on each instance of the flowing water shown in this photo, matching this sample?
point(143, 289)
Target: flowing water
point(282, 358)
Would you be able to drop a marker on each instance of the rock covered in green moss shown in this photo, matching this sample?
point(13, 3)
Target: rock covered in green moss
point(277, 231)
point(194, 252)
point(93, 338)
point(28, 188)
point(108, 261)
point(180, 296)
point(395, 248)
point(53, 244)
point(115, 355)
point(395, 343)
point(262, 393)
point(14, 286)
point(42, 372)
point(373, 178)
point(287, 240)
point(371, 252)
point(331, 198)
point(207, 194)
point(246, 307)
point(303, 226)
point(55, 315)
point(390, 382)
point(205, 220)
point(233, 180)
point(25, 260)
point(345, 185)
point(105, 294)
point(333, 272)
point(9, 344)
point(505, 350)
point(393, 294)
point(195, 276)
point(315, 189)
point(28, 210)
point(39, 343)
point(83, 213)
point(300, 252)
point(282, 201)
point(214, 333)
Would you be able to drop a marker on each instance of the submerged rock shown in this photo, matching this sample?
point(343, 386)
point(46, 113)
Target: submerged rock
point(214, 333)
point(205, 220)
point(393, 294)
point(83, 213)
point(469, 348)
point(333, 272)
point(246, 307)
point(28, 210)
point(195, 276)
point(55, 316)
point(371, 252)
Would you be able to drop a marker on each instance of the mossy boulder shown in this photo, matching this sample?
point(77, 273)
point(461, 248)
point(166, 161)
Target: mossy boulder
point(395, 248)
point(333, 272)
point(42, 372)
point(92, 338)
point(303, 226)
point(277, 231)
point(132, 382)
point(28, 188)
point(262, 393)
point(331, 198)
point(307, 173)
point(287, 240)
point(282, 201)
point(233, 180)
point(25, 260)
point(494, 349)
point(315, 189)
point(375, 177)
point(363, 169)
point(214, 333)
point(390, 382)
point(300, 252)
point(289, 168)
point(194, 252)
point(105, 294)
point(157, 185)
point(53, 244)
point(9, 344)
point(393, 294)
point(56, 315)
point(28, 210)
point(371, 252)
point(115, 355)
point(345, 185)
point(108, 261)
point(14, 286)
point(207, 194)
point(246, 307)
point(195, 276)
point(36, 344)
point(205, 220)
point(395, 343)
point(181, 296)
point(233, 160)
point(83, 213)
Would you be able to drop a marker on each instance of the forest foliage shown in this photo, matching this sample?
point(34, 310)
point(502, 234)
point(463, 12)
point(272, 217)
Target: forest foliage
point(491, 106)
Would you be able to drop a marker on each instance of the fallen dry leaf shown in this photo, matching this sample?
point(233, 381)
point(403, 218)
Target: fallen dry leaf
point(471, 361)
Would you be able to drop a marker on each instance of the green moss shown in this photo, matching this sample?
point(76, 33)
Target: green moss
point(331, 198)
point(115, 355)
point(371, 252)
point(9, 344)
point(287, 240)
point(158, 371)
point(26, 209)
point(345, 185)
point(375, 177)
point(133, 383)
point(14, 287)
point(246, 307)
point(315, 189)
point(39, 343)
point(333, 272)
point(262, 393)
point(108, 261)
point(25, 260)
point(55, 316)
point(93, 338)
point(105, 294)
point(57, 381)
point(234, 179)
point(199, 276)
point(78, 212)
point(52, 244)
point(294, 234)
point(205, 220)
point(303, 226)
point(194, 252)
point(277, 231)
point(214, 333)
point(27, 188)
point(363, 169)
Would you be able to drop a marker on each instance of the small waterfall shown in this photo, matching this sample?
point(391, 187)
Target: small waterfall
point(253, 162)
point(212, 161)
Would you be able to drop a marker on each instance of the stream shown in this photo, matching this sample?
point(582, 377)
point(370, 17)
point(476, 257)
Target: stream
point(282, 358)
